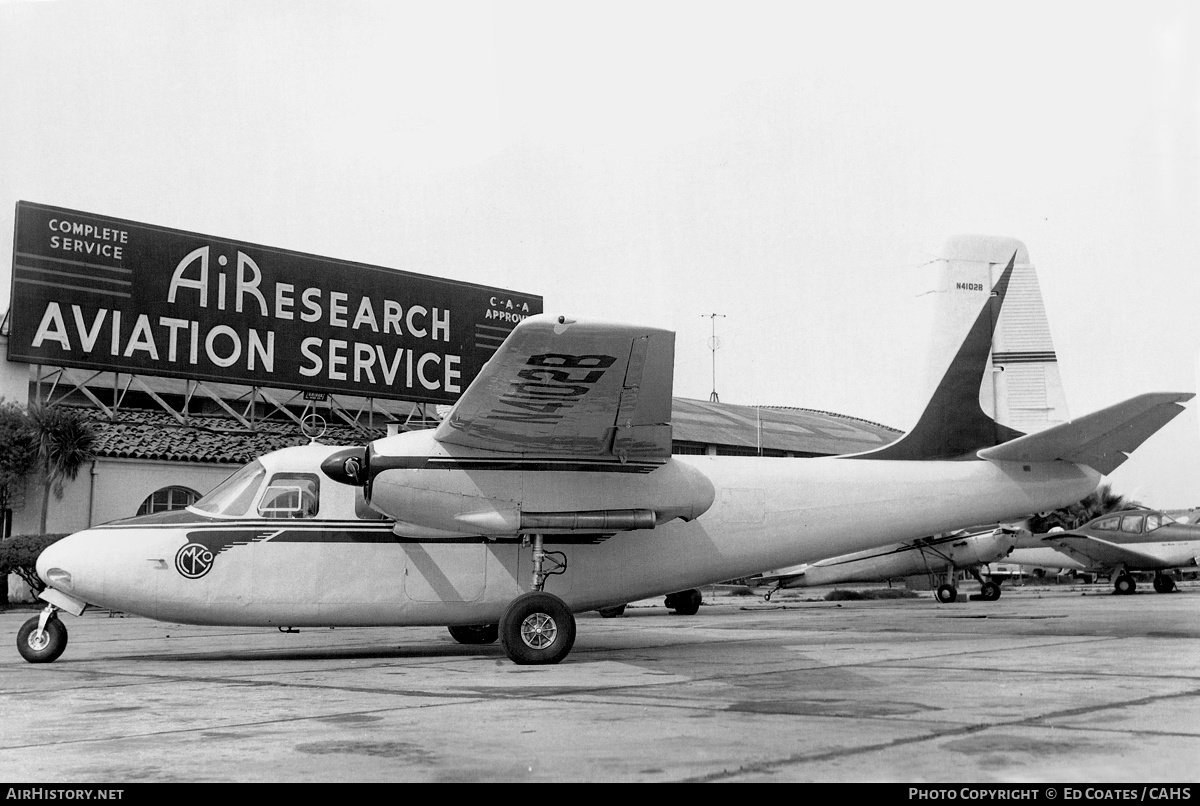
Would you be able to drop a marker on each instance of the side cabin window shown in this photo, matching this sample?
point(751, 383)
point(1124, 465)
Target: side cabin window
point(291, 495)
point(1158, 519)
point(1108, 524)
point(1132, 524)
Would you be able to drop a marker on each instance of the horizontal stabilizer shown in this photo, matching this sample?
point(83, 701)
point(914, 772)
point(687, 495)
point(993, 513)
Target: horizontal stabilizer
point(1101, 440)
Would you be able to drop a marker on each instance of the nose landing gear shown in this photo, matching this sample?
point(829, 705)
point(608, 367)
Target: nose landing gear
point(43, 638)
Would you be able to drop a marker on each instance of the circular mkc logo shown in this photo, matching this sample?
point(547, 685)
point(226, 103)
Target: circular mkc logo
point(194, 560)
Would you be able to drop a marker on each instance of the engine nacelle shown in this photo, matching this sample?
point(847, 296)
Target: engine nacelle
point(435, 491)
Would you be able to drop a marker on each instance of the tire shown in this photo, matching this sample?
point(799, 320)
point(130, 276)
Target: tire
point(1124, 584)
point(47, 647)
point(1163, 583)
point(537, 629)
point(990, 591)
point(947, 593)
point(611, 612)
point(475, 633)
point(685, 603)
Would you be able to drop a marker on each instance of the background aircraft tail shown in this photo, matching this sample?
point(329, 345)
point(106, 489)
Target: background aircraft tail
point(992, 366)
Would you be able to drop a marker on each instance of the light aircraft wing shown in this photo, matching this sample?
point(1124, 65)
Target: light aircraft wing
point(1093, 552)
point(561, 387)
point(1101, 440)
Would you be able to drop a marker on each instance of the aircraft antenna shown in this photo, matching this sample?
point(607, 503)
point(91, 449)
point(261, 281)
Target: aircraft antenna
point(714, 344)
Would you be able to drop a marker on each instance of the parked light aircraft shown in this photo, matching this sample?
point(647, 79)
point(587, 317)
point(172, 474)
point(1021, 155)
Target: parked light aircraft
point(1118, 544)
point(550, 489)
point(927, 555)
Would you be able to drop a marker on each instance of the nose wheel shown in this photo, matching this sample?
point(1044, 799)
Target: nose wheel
point(43, 638)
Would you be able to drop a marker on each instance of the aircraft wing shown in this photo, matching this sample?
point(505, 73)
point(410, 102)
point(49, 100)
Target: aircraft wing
point(1093, 552)
point(1101, 440)
point(561, 387)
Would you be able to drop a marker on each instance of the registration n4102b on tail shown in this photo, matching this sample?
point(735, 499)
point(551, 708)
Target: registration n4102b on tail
point(550, 489)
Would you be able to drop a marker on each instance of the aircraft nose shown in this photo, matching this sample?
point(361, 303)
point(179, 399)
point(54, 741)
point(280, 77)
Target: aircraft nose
point(348, 466)
point(55, 562)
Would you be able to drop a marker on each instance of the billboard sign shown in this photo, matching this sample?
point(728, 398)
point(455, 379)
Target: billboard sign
point(103, 293)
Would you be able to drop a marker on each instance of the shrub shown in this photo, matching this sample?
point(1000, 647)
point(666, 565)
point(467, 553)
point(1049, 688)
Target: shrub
point(19, 553)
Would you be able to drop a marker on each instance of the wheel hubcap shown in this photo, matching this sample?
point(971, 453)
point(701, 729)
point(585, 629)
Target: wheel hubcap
point(39, 640)
point(538, 631)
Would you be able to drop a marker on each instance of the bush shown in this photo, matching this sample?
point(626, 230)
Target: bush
point(19, 553)
point(839, 595)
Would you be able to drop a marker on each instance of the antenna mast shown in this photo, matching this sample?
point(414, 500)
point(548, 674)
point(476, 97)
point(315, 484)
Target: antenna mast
point(714, 344)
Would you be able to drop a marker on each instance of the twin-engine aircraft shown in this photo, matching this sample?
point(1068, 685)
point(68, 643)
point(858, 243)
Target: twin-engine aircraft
point(1118, 544)
point(968, 551)
point(550, 489)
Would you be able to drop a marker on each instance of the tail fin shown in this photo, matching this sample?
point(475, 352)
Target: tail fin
point(973, 290)
point(1001, 398)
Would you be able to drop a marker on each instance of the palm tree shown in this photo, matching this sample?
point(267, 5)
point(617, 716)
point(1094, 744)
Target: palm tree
point(65, 443)
point(1098, 503)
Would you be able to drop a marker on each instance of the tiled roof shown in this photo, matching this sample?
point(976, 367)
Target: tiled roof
point(137, 434)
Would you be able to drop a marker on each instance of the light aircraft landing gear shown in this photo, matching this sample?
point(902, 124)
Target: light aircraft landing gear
point(989, 591)
point(1124, 584)
point(537, 627)
point(947, 593)
point(43, 638)
point(685, 603)
point(1163, 583)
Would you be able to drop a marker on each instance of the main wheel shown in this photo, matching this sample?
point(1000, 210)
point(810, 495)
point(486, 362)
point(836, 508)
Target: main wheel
point(947, 593)
point(41, 647)
point(1124, 584)
point(611, 612)
point(476, 633)
point(537, 628)
point(1163, 583)
point(990, 591)
point(685, 603)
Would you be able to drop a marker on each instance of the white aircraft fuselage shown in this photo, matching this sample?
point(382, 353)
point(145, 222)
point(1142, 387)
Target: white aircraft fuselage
point(338, 569)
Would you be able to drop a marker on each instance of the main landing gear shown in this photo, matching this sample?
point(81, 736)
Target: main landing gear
point(1125, 584)
point(42, 638)
point(685, 603)
point(989, 590)
point(537, 627)
point(1163, 583)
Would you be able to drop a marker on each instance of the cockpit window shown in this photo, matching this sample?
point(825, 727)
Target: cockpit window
point(1108, 524)
point(291, 495)
point(234, 495)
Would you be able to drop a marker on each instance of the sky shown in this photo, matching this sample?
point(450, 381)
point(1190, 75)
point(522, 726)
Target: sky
point(779, 173)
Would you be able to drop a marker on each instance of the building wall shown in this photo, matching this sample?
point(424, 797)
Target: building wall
point(108, 489)
point(14, 377)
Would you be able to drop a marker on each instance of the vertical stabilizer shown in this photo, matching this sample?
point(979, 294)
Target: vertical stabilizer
point(978, 283)
point(1025, 392)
